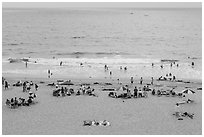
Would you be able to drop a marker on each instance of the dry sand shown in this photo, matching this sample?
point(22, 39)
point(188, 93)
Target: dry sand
point(65, 115)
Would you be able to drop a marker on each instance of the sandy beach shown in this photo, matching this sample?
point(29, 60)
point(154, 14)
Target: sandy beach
point(65, 115)
point(44, 45)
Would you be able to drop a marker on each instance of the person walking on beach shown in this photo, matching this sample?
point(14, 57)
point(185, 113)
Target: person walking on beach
point(192, 64)
point(141, 80)
point(6, 84)
point(26, 64)
point(152, 81)
point(61, 63)
point(110, 73)
point(174, 78)
point(105, 67)
point(49, 72)
point(131, 80)
point(152, 64)
point(3, 80)
point(36, 87)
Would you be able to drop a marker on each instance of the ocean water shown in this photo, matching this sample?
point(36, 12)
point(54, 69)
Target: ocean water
point(117, 37)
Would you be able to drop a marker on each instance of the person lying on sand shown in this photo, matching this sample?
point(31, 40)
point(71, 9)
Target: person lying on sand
point(185, 114)
point(185, 101)
point(96, 123)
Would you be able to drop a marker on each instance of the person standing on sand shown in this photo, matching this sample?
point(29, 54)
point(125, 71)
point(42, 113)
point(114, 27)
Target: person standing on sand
point(152, 64)
point(135, 92)
point(110, 73)
point(141, 80)
point(6, 84)
point(36, 87)
point(192, 64)
point(174, 78)
point(61, 63)
point(49, 72)
point(26, 64)
point(152, 81)
point(131, 80)
point(177, 109)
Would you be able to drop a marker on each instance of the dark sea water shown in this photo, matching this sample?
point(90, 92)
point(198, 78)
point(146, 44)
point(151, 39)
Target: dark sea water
point(115, 37)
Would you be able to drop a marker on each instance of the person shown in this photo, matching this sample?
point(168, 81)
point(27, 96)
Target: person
point(15, 102)
point(26, 64)
point(174, 78)
point(171, 64)
point(6, 84)
point(125, 68)
point(131, 80)
point(110, 73)
point(152, 64)
point(141, 80)
point(152, 81)
point(121, 68)
point(49, 73)
point(36, 87)
point(170, 74)
point(140, 93)
point(118, 81)
point(192, 64)
point(177, 65)
point(135, 92)
point(8, 102)
point(24, 86)
point(3, 80)
point(28, 87)
point(105, 67)
point(61, 63)
point(161, 66)
point(31, 83)
point(12, 103)
point(177, 108)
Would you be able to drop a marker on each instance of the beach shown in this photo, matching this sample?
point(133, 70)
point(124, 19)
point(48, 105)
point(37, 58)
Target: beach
point(65, 115)
point(48, 45)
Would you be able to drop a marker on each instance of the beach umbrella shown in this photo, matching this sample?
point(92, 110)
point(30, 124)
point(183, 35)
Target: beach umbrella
point(119, 90)
point(188, 91)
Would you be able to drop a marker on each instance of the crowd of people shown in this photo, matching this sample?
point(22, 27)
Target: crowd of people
point(14, 102)
point(83, 90)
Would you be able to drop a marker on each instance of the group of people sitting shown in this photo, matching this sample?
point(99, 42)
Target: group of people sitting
point(169, 77)
point(83, 90)
point(14, 102)
point(137, 92)
point(163, 92)
point(27, 86)
point(179, 115)
point(96, 123)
